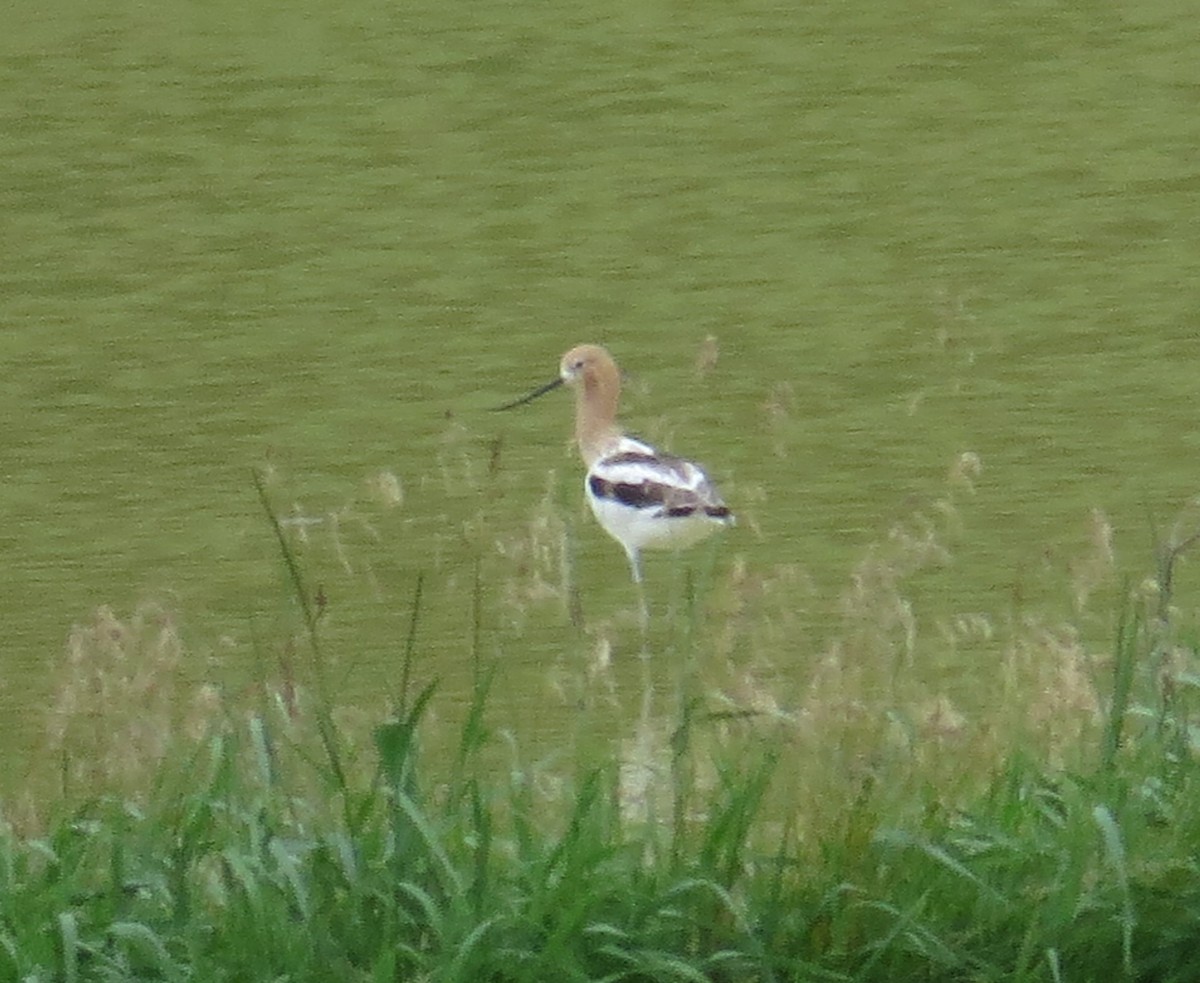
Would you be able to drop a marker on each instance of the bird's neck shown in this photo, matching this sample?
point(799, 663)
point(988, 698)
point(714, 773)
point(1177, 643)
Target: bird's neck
point(596, 428)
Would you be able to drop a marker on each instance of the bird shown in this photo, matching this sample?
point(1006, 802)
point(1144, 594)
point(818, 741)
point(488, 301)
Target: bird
point(643, 498)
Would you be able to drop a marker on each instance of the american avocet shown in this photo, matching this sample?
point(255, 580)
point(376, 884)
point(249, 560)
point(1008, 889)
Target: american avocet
point(644, 499)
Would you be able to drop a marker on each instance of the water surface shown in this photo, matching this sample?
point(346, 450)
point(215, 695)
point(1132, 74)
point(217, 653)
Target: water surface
point(322, 242)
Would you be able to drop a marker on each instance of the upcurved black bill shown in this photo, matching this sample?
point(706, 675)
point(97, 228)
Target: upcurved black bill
point(540, 391)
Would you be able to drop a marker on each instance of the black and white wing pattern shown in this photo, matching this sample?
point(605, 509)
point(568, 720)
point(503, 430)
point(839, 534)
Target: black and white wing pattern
point(636, 476)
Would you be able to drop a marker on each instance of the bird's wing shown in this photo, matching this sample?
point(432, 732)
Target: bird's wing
point(642, 479)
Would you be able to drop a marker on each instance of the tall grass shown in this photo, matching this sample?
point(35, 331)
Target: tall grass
point(267, 842)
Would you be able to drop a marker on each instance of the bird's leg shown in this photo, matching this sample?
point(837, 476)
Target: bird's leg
point(635, 565)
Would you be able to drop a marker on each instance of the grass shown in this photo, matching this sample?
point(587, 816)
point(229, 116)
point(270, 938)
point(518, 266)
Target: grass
point(828, 836)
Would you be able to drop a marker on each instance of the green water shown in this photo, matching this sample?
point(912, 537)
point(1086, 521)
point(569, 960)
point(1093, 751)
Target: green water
point(323, 239)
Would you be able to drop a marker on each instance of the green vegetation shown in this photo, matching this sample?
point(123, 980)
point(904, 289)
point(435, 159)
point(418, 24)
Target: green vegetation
point(280, 842)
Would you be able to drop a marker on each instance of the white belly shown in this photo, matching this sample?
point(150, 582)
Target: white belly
point(643, 529)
